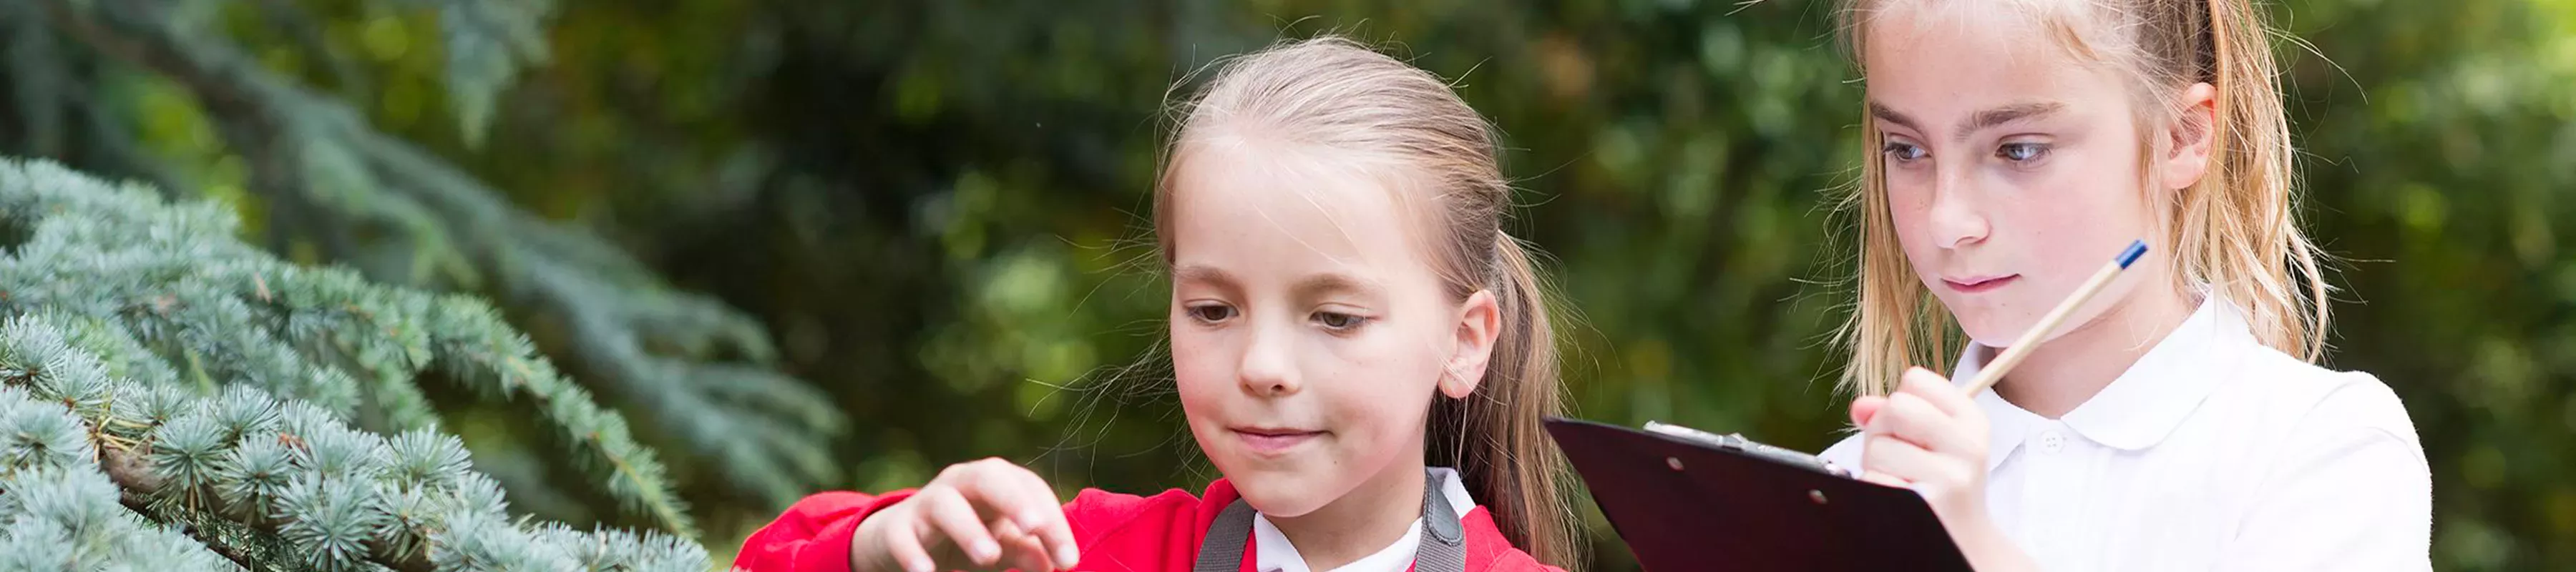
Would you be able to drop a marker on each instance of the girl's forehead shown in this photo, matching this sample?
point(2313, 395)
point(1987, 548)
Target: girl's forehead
point(1240, 203)
point(1939, 62)
point(2075, 32)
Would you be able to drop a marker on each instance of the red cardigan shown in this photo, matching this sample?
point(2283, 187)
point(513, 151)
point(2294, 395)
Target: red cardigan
point(1115, 532)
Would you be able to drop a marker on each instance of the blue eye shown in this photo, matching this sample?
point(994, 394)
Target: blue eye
point(1903, 152)
point(2022, 152)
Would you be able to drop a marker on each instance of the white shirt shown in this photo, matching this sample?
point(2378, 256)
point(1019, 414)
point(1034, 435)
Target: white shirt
point(1273, 553)
point(2213, 452)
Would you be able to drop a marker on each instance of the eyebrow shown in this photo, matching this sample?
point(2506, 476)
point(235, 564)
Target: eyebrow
point(1308, 287)
point(2008, 114)
point(1982, 120)
point(1197, 273)
point(1883, 113)
point(1314, 286)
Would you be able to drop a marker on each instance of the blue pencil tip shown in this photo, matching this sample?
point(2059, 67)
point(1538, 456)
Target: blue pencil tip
point(2136, 249)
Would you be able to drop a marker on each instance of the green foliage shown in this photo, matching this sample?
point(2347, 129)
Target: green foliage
point(934, 207)
point(141, 349)
point(329, 182)
point(487, 42)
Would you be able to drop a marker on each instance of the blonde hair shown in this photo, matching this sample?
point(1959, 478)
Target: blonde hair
point(2234, 230)
point(1333, 93)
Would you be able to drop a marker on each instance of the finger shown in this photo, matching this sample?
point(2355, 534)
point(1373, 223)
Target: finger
point(1045, 520)
point(1011, 491)
point(1914, 465)
point(1025, 552)
point(904, 544)
point(1015, 493)
point(1936, 389)
point(1885, 479)
point(951, 515)
point(1865, 407)
point(1915, 420)
point(994, 488)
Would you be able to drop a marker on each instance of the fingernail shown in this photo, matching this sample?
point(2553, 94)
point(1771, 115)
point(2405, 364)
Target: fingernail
point(985, 551)
point(1065, 557)
point(918, 566)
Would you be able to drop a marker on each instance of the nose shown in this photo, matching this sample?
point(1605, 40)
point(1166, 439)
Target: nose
point(1269, 367)
point(1956, 217)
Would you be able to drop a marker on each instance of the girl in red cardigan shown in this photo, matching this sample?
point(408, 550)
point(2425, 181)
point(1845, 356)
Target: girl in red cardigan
point(1357, 345)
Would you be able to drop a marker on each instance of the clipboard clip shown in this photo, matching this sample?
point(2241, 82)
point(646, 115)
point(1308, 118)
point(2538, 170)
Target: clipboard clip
point(1737, 442)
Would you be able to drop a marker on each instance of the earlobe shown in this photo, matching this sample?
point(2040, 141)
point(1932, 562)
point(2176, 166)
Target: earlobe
point(1479, 326)
point(2194, 136)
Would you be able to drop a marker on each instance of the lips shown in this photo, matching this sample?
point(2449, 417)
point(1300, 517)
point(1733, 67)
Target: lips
point(1273, 441)
point(1976, 284)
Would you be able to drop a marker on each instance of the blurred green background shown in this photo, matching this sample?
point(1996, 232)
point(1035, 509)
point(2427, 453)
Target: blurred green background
point(938, 209)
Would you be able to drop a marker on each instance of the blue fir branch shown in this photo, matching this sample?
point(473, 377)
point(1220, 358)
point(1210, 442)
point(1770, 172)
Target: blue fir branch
point(114, 456)
point(666, 353)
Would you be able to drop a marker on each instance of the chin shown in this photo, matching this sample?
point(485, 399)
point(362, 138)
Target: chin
point(1979, 322)
point(1988, 333)
point(1278, 493)
point(1989, 327)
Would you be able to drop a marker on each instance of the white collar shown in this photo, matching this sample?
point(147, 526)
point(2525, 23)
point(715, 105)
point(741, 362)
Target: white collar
point(1273, 553)
point(2147, 401)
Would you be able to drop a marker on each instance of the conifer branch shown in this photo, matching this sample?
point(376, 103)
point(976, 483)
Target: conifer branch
point(665, 351)
point(243, 447)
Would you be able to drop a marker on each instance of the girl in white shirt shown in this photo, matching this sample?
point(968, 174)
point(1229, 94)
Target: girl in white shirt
point(2176, 421)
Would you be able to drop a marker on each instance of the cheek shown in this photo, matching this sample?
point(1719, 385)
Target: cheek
point(1909, 207)
point(1202, 366)
point(1385, 383)
point(2076, 207)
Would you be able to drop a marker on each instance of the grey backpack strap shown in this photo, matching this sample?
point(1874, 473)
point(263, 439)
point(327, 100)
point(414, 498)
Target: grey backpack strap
point(1444, 540)
point(1222, 550)
point(1443, 545)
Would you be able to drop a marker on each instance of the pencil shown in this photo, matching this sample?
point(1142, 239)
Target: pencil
point(1994, 371)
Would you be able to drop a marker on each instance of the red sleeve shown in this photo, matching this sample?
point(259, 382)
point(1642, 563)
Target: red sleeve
point(1488, 551)
point(1129, 533)
point(1113, 531)
point(814, 534)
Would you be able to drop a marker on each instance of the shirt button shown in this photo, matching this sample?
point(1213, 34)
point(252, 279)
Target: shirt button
point(2051, 442)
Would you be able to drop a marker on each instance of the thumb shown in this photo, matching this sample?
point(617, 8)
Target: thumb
point(1866, 407)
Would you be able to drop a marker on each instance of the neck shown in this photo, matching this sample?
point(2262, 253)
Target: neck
point(2063, 373)
point(1363, 521)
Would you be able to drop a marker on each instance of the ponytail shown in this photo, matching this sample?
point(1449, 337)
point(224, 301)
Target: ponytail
point(1494, 436)
point(2237, 229)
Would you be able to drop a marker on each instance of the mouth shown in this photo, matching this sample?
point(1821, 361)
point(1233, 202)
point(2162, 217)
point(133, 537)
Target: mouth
point(1272, 440)
point(1976, 284)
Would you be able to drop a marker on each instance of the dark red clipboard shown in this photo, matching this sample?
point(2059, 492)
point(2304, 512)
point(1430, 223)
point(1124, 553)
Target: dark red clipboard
point(1685, 504)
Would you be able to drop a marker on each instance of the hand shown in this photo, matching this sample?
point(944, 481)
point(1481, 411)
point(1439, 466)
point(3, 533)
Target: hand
point(1930, 437)
point(1927, 436)
point(975, 515)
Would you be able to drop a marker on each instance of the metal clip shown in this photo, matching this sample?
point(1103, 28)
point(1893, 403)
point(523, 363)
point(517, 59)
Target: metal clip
point(1737, 442)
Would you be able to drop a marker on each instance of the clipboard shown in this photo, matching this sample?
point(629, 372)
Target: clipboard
point(1687, 500)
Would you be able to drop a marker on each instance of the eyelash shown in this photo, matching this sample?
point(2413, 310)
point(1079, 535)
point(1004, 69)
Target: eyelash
point(2037, 151)
point(1898, 151)
point(1339, 322)
point(1892, 150)
point(1199, 312)
point(1350, 321)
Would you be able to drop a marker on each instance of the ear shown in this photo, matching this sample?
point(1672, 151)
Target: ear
point(2193, 134)
point(1480, 323)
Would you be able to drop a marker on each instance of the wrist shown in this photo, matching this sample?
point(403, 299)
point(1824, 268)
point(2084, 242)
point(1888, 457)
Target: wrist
point(868, 546)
